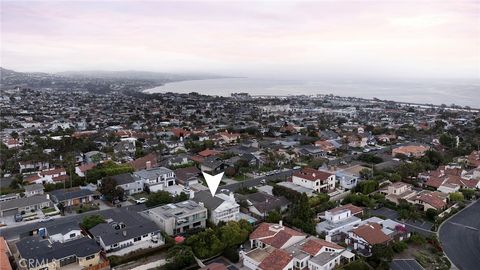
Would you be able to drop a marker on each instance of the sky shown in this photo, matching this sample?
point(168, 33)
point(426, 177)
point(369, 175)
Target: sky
point(282, 39)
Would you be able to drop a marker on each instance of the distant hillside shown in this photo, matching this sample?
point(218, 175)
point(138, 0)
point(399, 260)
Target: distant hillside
point(94, 81)
point(138, 75)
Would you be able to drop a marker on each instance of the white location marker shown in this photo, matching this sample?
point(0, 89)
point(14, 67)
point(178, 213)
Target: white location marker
point(213, 181)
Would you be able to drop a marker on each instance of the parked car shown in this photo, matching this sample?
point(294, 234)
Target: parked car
point(141, 200)
point(46, 219)
point(263, 182)
point(18, 217)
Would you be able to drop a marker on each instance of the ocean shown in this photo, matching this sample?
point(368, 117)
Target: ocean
point(437, 92)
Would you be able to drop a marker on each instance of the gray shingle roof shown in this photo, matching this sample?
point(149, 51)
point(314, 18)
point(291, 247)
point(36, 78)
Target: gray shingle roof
point(22, 202)
point(35, 247)
point(135, 225)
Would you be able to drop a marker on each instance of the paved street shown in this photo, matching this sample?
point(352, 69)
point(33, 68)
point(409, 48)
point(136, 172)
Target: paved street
point(421, 227)
point(11, 233)
point(256, 181)
point(460, 238)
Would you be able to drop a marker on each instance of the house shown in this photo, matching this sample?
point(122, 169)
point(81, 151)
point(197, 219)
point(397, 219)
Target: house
point(366, 236)
point(144, 163)
point(410, 150)
point(125, 228)
point(73, 196)
point(212, 165)
point(325, 145)
point(450, 179)
point(277, 247)
point(398, 191)
point(40, 253)
point(179, 217)
point(318, 181)
point(5, 255)
point(52, 175)
point(473, 160)
point(63, 232)
point(374, 231)
point(130, 183)
point(82, 169)
point(156, 178)
point(32, 190)
point(94, 157)
point(187, 176)
point(221, 207)
point(339, 219)
point(229, 137)
point(431, 200)
point(310, 151)
point(314, 253)
point(25, 204)
point(261, 203)
point(26, 166)
point(8, 197)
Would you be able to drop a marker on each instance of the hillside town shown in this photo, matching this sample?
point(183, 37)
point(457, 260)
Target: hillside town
point(113, 179)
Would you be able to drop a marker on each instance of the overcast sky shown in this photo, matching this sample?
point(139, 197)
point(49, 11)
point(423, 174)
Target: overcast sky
point(423, 39)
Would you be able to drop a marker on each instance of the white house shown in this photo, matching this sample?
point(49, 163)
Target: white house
point(221, 207)
point(319, 181)
point(156, 178)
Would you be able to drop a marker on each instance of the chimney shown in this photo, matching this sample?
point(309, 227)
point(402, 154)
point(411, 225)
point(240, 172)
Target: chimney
point(280, 223)
point(48, 196)
point(232, 197)
point(124, 233)
point(148, 165)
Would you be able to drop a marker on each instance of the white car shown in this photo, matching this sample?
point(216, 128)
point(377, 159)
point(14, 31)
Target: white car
point(141, 200)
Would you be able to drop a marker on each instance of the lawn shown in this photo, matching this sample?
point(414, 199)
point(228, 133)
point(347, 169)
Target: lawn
point(49, 210)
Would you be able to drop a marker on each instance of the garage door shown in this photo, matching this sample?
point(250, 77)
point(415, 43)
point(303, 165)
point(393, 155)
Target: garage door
point(10, 212)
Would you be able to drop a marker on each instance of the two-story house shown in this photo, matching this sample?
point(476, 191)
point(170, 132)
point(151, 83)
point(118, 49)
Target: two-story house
point(221, 207)
point(176, 218)
point(318, 181)
point(156, 179)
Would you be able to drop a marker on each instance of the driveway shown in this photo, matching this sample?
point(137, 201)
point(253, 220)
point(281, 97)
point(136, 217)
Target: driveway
point(421, 227)
point(460, 238)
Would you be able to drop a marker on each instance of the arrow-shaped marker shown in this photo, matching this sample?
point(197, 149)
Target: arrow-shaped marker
point(213, 181)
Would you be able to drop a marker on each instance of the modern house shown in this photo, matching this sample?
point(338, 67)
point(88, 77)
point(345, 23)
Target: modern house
point(338, 219)
point(398, 191)
point(318, 181)
point(63, 232)
point(130, 183)
point(221, 207)
point(176, 218)
point(156, 178)
point(261, 203)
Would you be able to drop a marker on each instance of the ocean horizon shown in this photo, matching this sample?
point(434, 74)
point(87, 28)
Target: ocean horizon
point(448, 92)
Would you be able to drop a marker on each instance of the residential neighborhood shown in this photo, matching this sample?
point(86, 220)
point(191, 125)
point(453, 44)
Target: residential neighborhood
point(115, 180)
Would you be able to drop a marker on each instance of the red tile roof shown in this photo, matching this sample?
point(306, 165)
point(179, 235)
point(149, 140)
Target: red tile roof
point(432, 199)
point(4, 262)
point(208, 153)
point(312, 174)
point(141, 163)
point(314, 245)
point(277, 260)
point(372, 233)
point(274, 234)
point(355, 210)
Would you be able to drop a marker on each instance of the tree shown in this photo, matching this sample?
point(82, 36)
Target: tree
point(367, 186)
point(456, 197)
point(301, 215)
point(447, 140)
point(399, 246)
point(431, 214)
point(274, 217)
point(110, 190)
point(159, 198)
point(179, 257)
point(89, 222)
point(468, 193)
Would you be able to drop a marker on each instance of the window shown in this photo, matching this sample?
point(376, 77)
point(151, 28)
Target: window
point(72, 235)
point(136, 239)
point(90, 257)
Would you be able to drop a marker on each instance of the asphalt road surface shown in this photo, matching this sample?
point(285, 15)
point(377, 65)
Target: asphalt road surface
point(460, 238)
point(11, 233)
